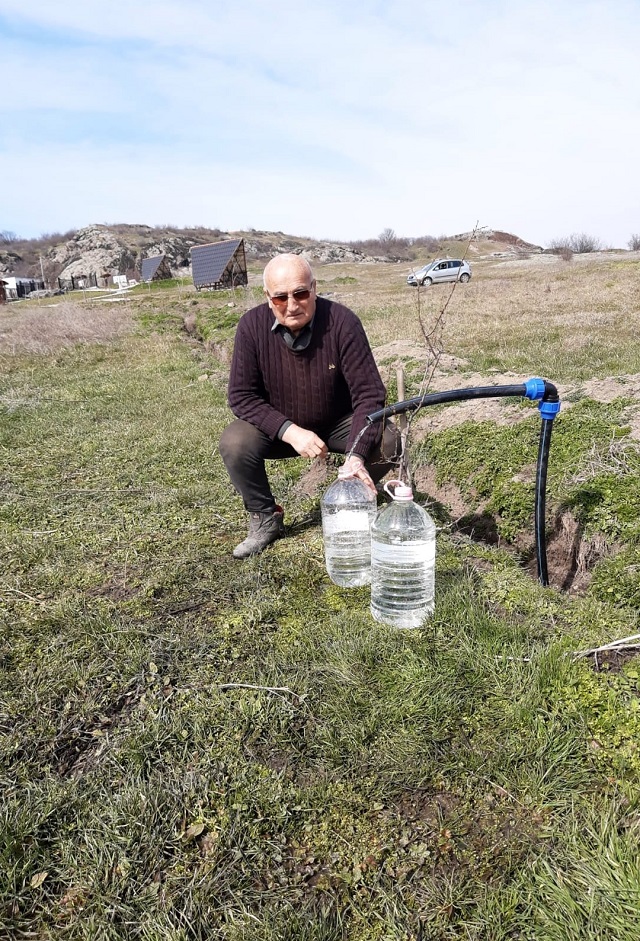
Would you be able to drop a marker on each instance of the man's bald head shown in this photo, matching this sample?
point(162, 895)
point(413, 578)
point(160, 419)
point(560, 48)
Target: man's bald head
point(288, 266)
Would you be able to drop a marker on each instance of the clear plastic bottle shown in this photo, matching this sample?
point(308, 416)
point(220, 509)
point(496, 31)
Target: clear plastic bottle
point(348, 508)
point(403, 557)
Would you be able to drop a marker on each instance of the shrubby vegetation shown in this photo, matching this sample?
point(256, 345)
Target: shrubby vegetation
point(396, 248)
point(578, 242)
point(634, 242)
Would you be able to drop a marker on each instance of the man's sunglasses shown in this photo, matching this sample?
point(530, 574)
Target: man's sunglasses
point(281, 300)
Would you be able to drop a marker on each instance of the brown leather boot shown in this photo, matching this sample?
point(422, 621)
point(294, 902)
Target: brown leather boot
point(264, 528)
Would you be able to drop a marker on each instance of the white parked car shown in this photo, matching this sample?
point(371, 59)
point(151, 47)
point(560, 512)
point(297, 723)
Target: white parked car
point(442, 269)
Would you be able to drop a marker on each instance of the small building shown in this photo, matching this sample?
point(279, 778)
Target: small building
point(16, 288)
point(219, 265)
point(3, 291)
point(155, 268)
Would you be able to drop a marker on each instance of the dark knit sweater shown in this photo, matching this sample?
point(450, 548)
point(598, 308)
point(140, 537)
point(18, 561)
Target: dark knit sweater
point(315, 387)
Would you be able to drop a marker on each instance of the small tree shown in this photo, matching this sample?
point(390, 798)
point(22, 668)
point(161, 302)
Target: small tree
point(634, 242)
point(581, 243)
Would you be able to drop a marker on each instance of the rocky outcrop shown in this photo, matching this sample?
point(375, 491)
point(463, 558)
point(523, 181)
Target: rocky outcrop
point(92, 249)
point(120, 249)
point(10, 262)
point(505, 240)
point(328, 253)
point(174, 247)
point(265, 245)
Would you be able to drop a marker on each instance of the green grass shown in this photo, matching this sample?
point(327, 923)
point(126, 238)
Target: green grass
point(434, 784)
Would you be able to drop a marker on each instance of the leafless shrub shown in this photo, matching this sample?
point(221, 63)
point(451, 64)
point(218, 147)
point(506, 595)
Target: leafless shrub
point(426, 243)
point(579, 242)
point(582, 243)
point(387, 245)
point(51, 239)
point(634, 242)
point(45, 329)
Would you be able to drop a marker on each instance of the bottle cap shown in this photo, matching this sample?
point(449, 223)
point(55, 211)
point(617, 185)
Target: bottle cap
point(400, 492)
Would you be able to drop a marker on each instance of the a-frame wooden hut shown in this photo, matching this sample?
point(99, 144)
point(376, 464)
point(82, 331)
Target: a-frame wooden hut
point(155, 268)
point(219, 264)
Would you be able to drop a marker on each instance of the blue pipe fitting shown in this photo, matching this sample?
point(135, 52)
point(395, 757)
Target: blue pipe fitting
point(534, 389)
point(549, 410)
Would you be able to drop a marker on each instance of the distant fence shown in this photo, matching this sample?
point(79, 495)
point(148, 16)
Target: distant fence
point(78, 281)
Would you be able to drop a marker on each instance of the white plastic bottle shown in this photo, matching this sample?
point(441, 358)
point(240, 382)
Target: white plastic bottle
point(403, 558)
point(348, 508)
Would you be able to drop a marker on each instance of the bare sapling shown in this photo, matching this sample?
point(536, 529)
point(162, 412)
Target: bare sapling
point(433, 336)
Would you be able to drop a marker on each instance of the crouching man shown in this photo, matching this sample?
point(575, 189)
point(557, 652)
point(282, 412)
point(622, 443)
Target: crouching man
point(303, 379)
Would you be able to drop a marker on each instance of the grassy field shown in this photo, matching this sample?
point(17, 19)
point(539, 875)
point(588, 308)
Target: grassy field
point(196, 748)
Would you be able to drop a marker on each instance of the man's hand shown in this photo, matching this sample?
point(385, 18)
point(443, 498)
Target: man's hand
point(354, 467)
point(305, 442)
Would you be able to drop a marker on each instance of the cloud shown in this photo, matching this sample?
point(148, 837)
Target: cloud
point(322, 120)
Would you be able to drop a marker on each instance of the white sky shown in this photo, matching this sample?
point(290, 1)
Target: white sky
point(328, 119)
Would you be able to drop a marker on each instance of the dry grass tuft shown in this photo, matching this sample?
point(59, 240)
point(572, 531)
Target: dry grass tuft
point(39, 329)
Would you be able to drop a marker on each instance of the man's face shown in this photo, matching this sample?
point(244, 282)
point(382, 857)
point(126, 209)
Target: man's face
point(283, 283)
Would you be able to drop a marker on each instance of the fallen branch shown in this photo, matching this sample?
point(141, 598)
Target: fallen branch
point(277, 690)
point(625, 643)
point(16, 591)
point(132, 490)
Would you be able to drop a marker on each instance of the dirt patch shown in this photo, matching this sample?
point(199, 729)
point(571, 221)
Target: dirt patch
point(79, 747)
point(320, 471)
point(613, 661)
point(431, 810)
point(447, 495)
point(440, 834)
point(116, 590)
point(454, 373)
point(571, 556)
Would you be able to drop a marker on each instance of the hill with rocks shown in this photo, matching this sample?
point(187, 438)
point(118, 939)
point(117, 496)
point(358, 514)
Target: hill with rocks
point(119, 249)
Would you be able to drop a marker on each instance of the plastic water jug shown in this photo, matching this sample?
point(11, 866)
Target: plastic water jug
point(348, 508)
point(403, 557)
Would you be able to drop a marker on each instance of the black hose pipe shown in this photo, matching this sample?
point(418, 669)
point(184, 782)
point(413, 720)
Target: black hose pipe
point(452, 395)
point(549, 407)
